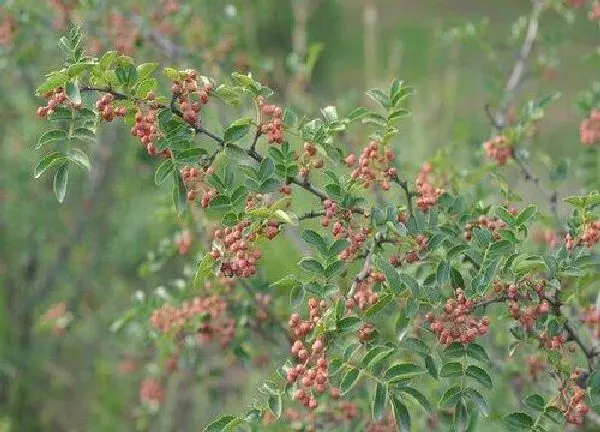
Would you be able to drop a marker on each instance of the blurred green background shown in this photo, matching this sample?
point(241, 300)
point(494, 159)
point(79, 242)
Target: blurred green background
point(88, 252)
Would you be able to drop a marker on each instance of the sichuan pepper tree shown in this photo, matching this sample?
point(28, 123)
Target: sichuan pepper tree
point(417, 288)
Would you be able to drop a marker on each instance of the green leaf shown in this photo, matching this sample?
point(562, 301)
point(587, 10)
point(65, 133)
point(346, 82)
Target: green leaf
point(223, 424)
point(418, 396)
point(348, 323)
point(237, 130)
point(72, 90)
point(401, 415)
point(145, 70)
point(84, 134)
point(357, 113)
point(380, 97)
point(526, 214)
point(80, 158)
point(451, 369)
point(460, 417)
point(442, 273)
point(391, 275)
point(49, 136)
point(297, 294)
point(376, 354)
point(59, 184)
point(54, 80)
point(290, 118)
point(330, 113)
point(178, 194)
point(48, 161)
point(430, 366)
point(163, 171)
point(334, 269)
point(190, 155)
point(477, 352)
point(204, 269)
point(337, 247)
point(275, 404)
point(384, 300)
point(376, 119)
point(349, 380)
point(411, 283)
point(535, 401)
point(287, 217)
point(313, 238)
point(479, 375)
point(312, 265)
point(400, 371)
point(478, 399)
point(450, 397)
point(379, 400)
point(518, 421)
point(454, 350)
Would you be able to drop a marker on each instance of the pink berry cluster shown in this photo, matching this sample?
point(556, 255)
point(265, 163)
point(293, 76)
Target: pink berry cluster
point(364, 296)
point(146, 129)
point(194, 180)
point(412, 256)
point(572, 399)
point(57, 316)
point(589, 238)
point(7, 29)
point(535, 366)
point(342, 228)
point(310, 373)
point(519, 294)
point(591, 318)
point(184, 240)
point(271, 123)
point(152, 391)
point(365, 332)
point(236, 250)
point(589, 128)
point(555, 343)
point(386, 424)
point(594, 13)
point(107, 111)
point(56, 98)
point(492, 224)
point(373, 166)
point(309, 159)
point(205, 315)
point(190, 96)
point(428, 194)
point(498, 149)
point(456, 324)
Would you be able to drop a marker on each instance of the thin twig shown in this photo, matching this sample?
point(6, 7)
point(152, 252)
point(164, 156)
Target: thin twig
point(366, 268)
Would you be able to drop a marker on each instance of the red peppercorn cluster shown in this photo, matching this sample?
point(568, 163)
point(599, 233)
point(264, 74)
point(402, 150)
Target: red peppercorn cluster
point(365, 332)
point(373, 166)
point(520, 292)
point(342, 228)
point(412, 256)
point(364, 296)
point(310, 373)
point(490, 223)
point(206, 315)
point(191, 97)
point(152, 392)
point(105, 108)
point(184, 241)
point(456, 324)
point(589, 238)
point(428, 194)
point(555, 343)
point(271, 123)
point(146, 129)
point(58, 316)
point(123, 32)
point(591, 318)
point(589, 129)
point(575, 3)
point(498, 150)
point(7, 29)
point(572, 399)
point(386, 424)
point(309, 159)
point(235, 248)
point(56, 98)
point(195, 183)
